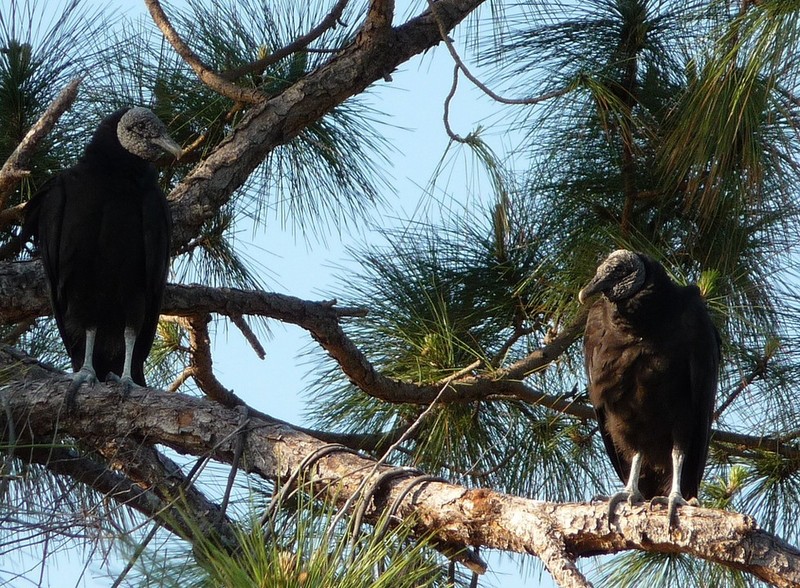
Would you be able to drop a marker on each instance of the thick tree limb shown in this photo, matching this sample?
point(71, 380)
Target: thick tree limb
point(152, 483)
point(23, 295)
point(456, 515)
point(278, 120)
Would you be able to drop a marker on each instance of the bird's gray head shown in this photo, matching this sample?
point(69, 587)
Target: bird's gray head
point(620, 276)
point(142, 133)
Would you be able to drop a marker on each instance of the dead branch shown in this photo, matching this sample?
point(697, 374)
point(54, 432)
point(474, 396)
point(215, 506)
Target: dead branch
point(201, 366)
point(460, 65)
point(14, 168)
point(249, 335)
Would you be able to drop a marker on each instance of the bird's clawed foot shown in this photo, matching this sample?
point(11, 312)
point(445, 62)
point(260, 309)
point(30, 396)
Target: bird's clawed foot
point(126, 382)
point(673, 501)
point(631, 497)
point(85, 375)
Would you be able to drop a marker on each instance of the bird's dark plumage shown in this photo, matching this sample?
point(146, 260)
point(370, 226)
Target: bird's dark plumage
point(652, 357)
point(102, 228)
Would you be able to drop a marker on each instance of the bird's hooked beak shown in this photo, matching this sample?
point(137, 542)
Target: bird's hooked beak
point(595, 285)
point(169, 145)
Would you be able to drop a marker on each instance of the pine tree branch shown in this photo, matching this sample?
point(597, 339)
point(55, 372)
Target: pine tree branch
point(557, 533)
point(207, 75)
point(14, 167)
point(298, 44)
point(278, 120)
point(23, 295)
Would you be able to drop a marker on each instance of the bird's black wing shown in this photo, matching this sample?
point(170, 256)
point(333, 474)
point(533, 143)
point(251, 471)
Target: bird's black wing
point(156, 224)
point(704, 361)
point(595, 350)
point(44, 214)
point(621, 465)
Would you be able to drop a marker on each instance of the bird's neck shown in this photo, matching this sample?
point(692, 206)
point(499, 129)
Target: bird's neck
point(112, 157)
point(643, 308)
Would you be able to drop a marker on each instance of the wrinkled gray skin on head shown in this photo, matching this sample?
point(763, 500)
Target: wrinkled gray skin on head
point(620, 276)
point(142, 133)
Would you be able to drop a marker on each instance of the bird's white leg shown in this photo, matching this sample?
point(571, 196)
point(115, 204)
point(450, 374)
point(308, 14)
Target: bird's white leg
point(631, 492)
point(126, 379)
point(677, 470)
point(632, 487)
point(130, 341)
point(85, 375)
point(675, 497)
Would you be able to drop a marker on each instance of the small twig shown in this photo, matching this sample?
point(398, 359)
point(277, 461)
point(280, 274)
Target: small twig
point(206, 75)
point(181, 379)
point(248, 333)
point(446, 114)
point(301, 42)
point(462, 372)
point(758, 371)
point(519, 333)
point(244, 419)
point(481, 86)
point(136, 555)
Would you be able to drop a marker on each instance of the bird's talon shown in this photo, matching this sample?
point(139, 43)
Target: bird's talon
point(622, 496)
point(672, 502)
point(85, 375)
point(126, 382)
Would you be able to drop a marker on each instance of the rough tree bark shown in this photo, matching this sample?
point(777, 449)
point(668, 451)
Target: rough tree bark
point(557, 533)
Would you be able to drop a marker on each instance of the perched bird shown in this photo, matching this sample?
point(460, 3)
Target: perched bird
point(652, 358)
point(102, 228)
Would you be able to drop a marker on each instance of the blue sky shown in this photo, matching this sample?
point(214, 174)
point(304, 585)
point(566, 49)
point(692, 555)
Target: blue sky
point(414, 102)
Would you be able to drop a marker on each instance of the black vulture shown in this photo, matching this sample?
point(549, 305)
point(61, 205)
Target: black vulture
point(652, 357)
point(102, 228)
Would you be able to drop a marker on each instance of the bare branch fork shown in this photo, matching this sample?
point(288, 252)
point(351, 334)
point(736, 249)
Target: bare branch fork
point(558, 533)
